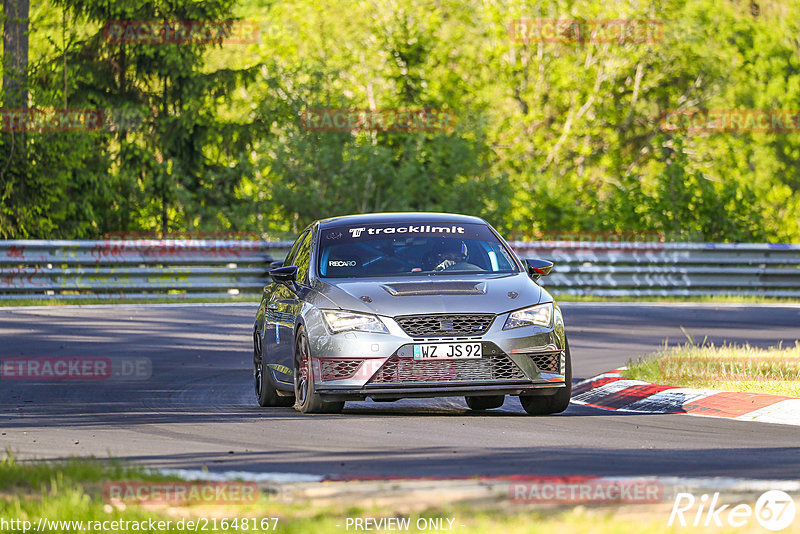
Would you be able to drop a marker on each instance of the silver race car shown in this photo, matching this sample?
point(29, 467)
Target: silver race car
point(394, 305)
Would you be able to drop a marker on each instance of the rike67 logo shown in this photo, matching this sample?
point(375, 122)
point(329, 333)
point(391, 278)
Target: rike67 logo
point(774, 510)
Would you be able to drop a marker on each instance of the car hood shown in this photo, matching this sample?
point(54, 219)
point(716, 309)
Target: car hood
point(470, 293)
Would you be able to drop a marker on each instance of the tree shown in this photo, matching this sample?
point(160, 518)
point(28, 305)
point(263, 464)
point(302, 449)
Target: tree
point(15, 53)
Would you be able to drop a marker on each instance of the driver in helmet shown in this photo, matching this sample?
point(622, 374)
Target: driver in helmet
point(452, 255)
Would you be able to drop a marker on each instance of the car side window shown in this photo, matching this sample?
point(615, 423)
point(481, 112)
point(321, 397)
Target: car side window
point(303, 259)
point(293, 251)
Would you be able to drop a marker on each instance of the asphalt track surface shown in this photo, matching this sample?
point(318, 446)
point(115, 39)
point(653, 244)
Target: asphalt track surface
point(197, 409)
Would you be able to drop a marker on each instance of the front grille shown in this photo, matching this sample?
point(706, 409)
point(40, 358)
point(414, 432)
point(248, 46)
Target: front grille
point(445, 325)
point(339, 369)
point(549, 363)
point(498, 367)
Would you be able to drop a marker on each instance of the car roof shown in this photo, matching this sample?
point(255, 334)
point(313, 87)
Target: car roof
point(401, 218)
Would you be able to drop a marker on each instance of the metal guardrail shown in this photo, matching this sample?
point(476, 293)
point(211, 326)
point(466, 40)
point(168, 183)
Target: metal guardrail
point(668, 269)
point(203, 268)
point(139, 268)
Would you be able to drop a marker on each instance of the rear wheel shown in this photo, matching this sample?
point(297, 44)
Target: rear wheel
point(485, 403)
point(543, 405)
point(307, 400)
point(266, 393)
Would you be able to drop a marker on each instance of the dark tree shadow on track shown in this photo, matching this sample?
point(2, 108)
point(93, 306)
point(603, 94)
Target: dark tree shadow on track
point(760, 463)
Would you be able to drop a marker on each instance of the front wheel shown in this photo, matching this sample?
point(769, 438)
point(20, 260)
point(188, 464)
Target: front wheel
point(307, 400)
point(543, 405)
point(266, 393)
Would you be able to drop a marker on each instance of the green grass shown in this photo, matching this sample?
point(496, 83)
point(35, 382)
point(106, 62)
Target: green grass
point(775, 370)
point(24, 476)
point(72, 491)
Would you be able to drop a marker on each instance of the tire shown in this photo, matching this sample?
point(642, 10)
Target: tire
point(307, 400)
point(266, 393)
point(544, 405)
point(485, 403)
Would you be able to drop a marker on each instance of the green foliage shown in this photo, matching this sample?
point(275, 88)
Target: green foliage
point(548, 135)
point(53, 185)
point(176, 168)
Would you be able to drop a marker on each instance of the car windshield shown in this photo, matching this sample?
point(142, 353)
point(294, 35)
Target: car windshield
point(411, 249)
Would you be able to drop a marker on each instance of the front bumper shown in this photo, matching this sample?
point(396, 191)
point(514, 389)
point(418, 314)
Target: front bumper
point(356, 365)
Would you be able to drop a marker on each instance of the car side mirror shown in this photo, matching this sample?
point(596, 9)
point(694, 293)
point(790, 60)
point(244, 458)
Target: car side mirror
point(276, 264)
point(538, 268)
point(284, 275)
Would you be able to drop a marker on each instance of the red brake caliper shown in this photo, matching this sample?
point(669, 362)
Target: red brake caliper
point(304, 367)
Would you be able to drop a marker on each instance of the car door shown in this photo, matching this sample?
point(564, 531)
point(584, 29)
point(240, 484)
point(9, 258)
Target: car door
point(288, 303)
point(274, 331)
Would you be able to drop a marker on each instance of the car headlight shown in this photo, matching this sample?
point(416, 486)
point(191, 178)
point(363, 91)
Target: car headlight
point(343, 321)
point(539, 315)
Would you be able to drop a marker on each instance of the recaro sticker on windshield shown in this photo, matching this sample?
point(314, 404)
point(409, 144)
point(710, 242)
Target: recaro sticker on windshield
point(341, 263)
point(410, 229)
